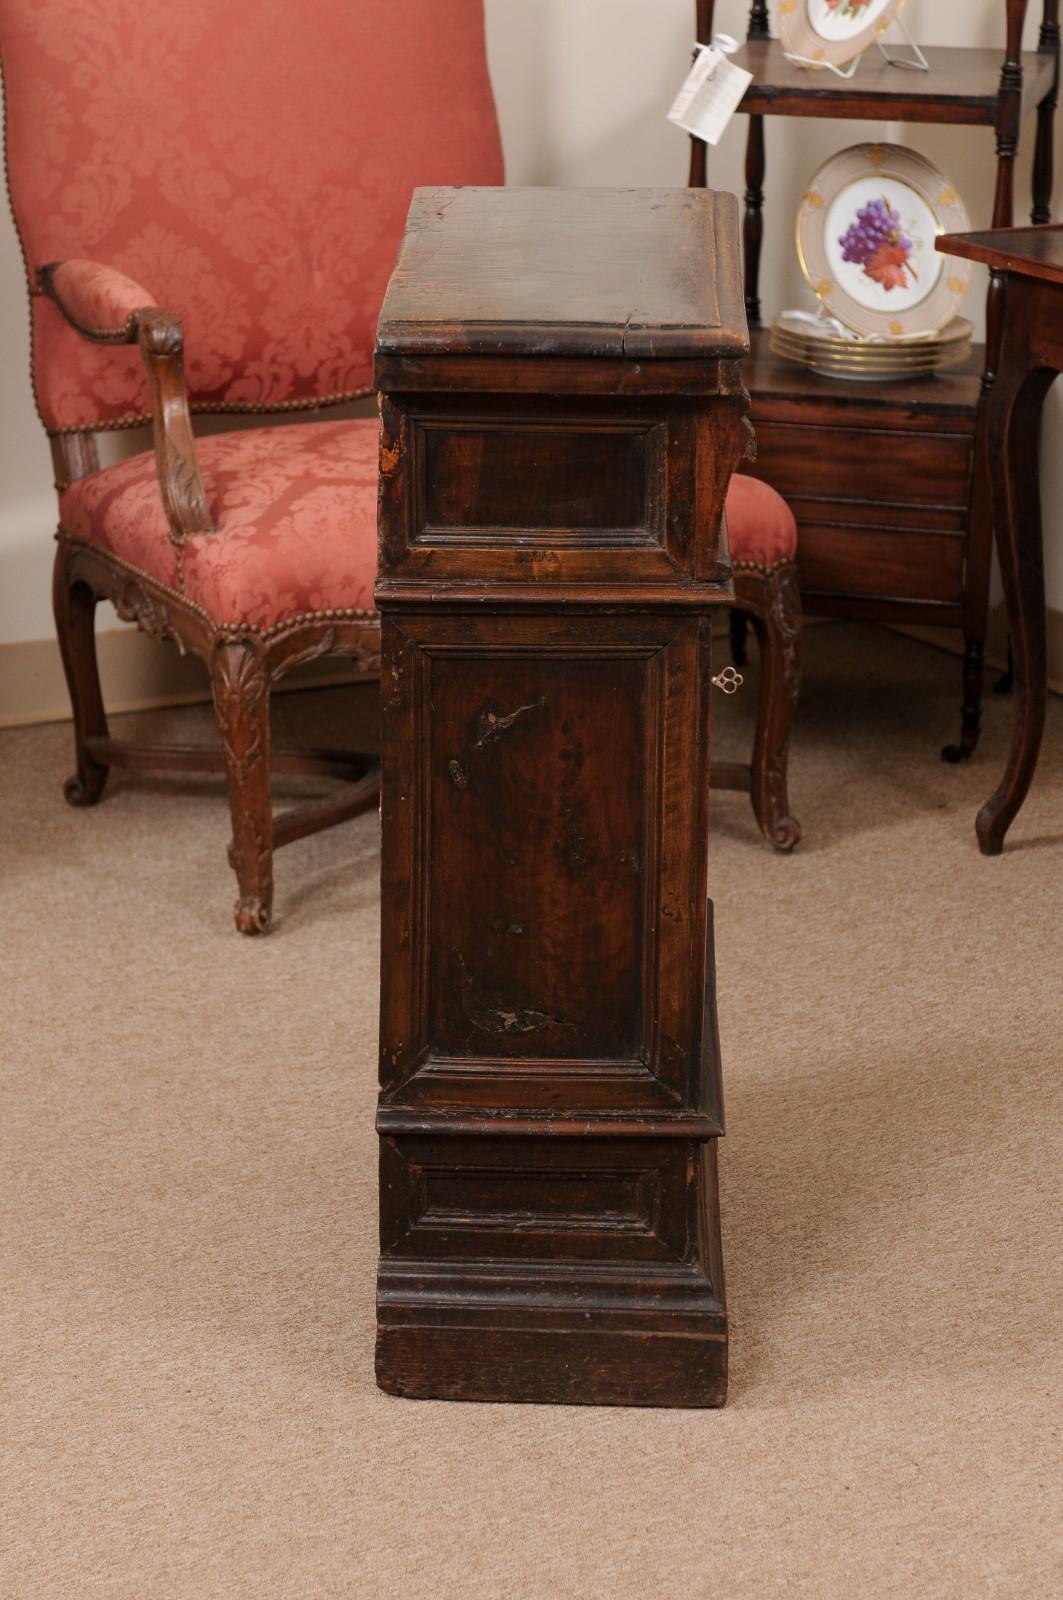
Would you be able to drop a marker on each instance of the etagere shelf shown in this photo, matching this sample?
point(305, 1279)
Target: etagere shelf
point(876, 543)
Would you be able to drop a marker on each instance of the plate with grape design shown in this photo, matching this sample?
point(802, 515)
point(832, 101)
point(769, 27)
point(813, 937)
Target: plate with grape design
point(831, 32)
point(865, 237)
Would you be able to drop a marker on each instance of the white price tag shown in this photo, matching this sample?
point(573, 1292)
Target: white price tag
point(709, 98)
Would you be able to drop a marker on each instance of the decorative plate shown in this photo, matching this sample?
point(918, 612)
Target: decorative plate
point(831, 32)
point(797, 336)
point(865, 236)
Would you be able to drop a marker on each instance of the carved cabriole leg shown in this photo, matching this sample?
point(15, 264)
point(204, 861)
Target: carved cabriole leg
point(75, 621)
point(241, 686)
point(1014, 443)
point(774, 604)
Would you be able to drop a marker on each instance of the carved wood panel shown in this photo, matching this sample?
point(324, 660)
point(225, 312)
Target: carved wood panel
point(515, 489)
point(559, 764)
point(579, 1199)
point(483, 480)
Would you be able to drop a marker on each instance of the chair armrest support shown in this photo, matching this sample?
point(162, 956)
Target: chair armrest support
point(106, 307)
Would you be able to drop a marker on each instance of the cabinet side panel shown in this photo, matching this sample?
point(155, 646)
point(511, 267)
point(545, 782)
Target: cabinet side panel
point(536, 795)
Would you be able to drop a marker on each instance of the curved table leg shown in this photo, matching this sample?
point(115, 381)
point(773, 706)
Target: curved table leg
point(1014, 431)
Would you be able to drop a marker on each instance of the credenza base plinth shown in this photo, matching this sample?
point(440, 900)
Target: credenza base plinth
point(651, 1332)
point(567, 1366)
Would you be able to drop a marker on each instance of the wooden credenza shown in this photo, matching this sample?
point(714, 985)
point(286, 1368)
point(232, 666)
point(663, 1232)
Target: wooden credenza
point(561, 410)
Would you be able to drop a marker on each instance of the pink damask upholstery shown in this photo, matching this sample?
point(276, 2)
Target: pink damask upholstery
point(760, 524)
point(295, 517)
point(251, 161)
point(100, 299)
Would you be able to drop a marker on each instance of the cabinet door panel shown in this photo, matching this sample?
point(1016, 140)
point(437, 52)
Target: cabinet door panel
point(542, 887)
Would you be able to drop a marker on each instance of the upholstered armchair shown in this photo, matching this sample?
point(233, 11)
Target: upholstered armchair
point(210, 199)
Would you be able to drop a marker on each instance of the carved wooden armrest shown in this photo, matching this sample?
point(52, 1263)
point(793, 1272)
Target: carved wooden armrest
point(109, 308)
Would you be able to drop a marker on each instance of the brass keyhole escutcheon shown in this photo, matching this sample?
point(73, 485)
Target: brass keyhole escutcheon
point(729, 681)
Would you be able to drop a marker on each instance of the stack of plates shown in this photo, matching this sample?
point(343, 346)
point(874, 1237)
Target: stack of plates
point(827, 351)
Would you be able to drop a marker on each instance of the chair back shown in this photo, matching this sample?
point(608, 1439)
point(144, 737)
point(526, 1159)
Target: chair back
point(250, 163)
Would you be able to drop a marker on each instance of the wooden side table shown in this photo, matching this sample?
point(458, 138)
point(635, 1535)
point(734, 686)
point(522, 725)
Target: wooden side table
point(1028, 341)
point(562, 408)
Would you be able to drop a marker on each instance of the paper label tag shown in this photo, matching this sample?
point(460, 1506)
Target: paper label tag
point(710, 96)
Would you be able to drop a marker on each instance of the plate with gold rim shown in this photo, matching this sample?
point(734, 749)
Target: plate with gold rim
point(828, 33)
point(866, 229)
point(861, 358)
point(807, 334)
point(808, 329)
point(810, 353)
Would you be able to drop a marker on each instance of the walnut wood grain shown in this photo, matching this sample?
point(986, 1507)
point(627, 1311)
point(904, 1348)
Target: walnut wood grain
point(963, 86)
point(606, 273)
point(1028, 252)
point(552, 547)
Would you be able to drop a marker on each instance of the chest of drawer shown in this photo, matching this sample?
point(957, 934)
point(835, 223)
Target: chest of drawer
point(866, 466)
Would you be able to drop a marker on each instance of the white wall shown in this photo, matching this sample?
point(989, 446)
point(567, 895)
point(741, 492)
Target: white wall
point(582, 87)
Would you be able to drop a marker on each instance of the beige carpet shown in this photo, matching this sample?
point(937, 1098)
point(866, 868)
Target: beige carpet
point(188, 1207)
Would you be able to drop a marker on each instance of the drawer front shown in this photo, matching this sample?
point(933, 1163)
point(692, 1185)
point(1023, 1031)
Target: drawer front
point(880, 564)
point(869, 466)
point(881, 515)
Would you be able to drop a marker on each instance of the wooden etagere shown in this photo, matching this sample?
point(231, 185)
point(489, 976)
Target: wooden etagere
point(877, 543)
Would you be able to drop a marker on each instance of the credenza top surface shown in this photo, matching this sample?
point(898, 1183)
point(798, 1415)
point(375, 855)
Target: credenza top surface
point(610, 274)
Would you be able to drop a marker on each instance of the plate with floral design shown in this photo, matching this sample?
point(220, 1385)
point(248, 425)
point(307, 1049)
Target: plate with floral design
point(831, 32)
point(865, 236)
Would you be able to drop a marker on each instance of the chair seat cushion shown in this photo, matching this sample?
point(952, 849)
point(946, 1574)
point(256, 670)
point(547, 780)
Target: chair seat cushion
point(760, 524)
point(294, 509)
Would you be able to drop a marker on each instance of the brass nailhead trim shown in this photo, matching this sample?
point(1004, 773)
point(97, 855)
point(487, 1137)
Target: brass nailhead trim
point(109, 335)
point(206, 408)
point(757, 566)
point(350, 613)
